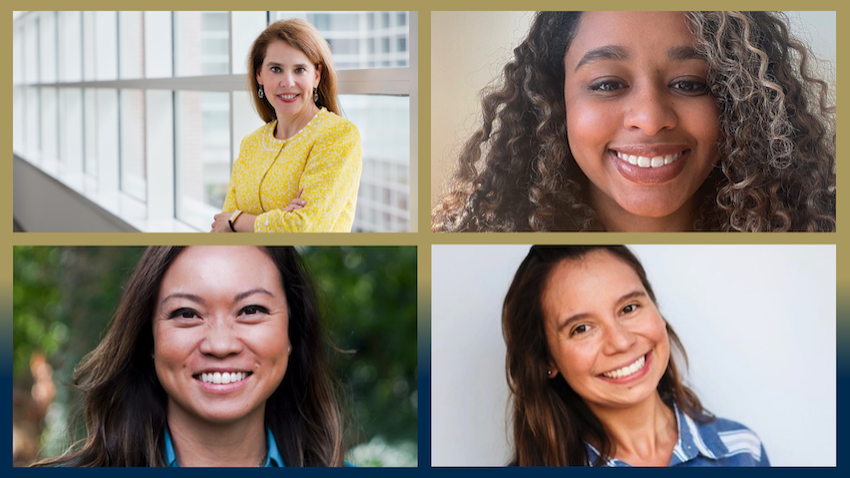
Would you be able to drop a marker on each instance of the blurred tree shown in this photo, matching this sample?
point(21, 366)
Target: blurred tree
point(64, 298)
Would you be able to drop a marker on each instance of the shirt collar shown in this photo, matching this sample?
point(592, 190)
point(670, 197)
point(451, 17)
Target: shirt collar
point(273, 458)
point(694, 439)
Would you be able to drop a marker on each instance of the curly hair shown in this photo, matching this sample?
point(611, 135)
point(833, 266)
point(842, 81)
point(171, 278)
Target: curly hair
point(777, 149)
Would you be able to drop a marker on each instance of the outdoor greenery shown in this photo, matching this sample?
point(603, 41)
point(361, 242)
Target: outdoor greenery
point(64, 298)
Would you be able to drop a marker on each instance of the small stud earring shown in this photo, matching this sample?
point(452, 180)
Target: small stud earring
point(260, 92)
point(549, 373)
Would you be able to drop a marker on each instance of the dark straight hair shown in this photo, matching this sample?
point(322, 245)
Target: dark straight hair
point(125, 406)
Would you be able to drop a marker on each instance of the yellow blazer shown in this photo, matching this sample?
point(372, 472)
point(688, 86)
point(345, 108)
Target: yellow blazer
point(323, 159)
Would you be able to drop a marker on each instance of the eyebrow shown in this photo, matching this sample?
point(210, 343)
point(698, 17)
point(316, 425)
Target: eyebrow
point(200, 300)
point(581, 315)
point(618, 53)
point(299, 65)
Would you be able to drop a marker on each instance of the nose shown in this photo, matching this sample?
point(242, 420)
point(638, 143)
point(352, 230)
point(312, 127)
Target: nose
point(220, 341)
point(619, 339)
point(650, 111)
point(287, 80)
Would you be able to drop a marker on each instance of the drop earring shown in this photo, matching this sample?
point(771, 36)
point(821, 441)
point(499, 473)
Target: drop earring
point(260, 92)
point(315, 96)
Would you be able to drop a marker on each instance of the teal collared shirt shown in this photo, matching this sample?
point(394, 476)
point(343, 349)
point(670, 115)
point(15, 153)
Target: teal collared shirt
point(273, 458)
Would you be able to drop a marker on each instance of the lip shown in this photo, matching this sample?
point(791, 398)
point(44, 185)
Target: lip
point(284, 100)
point(650, 176)
point(639, 375)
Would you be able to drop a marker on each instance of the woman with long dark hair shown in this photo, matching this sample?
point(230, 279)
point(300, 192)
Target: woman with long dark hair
point(650, 121)
point(215, 357)
point(593, 374)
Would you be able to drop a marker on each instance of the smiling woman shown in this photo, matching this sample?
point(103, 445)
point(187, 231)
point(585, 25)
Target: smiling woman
point(650, 121)
point(216, 357)
point(591, 373)
point(301, 171)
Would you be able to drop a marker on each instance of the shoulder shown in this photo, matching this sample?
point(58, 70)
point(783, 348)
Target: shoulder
point(737, 438)
point(258, 136)
point(336, 127)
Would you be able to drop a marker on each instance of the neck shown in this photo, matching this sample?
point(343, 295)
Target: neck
point(641, 435)
point(198, 443)
point(289, 127)
point(617, 219)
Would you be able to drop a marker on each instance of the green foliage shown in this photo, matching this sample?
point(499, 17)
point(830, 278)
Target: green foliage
point(369, 296)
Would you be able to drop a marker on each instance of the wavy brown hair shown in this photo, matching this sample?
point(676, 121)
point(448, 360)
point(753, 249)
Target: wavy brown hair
point(777, 150)
point(551, 422)
point(299, 34)
point(125, 406)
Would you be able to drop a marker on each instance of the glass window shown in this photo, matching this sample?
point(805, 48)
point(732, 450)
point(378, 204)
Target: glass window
point(201, 43)
point(18, 121)
point(70, 46)
point(47, 46)
point(71, 128)
point(158, 44)
point(31, 49)
point(353, 37)
point(105, 45)
point(247, 26)
point(90, 131)
point(384, 126)
point(48, 124)
point(203, 155)
point(132, 143)
point(32, 132)
point(131, 45)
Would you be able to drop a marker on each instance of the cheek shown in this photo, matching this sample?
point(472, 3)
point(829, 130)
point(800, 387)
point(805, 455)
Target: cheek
point(589, 130)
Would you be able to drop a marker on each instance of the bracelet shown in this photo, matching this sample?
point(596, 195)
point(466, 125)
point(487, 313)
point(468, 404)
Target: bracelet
point(233, 219)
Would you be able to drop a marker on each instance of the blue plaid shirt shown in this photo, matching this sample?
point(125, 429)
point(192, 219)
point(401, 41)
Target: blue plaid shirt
point(273, 458)
point(719, 442)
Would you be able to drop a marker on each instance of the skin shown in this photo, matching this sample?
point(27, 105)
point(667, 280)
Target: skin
point(599, 318)
point(644, 98)
point(285, 70)
point(220, 308)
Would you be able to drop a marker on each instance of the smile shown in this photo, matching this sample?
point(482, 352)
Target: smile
point(222, 378)
point(288, 97)
point(628, 370)
point(649, 162)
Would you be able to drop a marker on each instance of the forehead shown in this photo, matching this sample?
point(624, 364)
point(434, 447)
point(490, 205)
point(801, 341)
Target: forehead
point(638, 32)
point(595, 281)
point(279, 51)
point(222, 269)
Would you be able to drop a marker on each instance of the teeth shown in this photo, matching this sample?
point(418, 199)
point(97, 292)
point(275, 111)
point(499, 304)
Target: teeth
point(223, 378)
point(649, 162)
point(627, 370)
point(288, 97)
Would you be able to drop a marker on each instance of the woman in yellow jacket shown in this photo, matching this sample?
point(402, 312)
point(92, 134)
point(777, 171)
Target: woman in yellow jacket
point(301, 171)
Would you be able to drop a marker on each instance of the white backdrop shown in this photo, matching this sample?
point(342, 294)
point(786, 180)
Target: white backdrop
point(757, 322)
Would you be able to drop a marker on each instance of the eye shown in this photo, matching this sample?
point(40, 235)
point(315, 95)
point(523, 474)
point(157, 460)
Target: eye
point(607, 85)
point(183, 313)
point(253, 310)
point(579, 329)
point(275, 69)
point(300, 70)
point(690, 87)
point(630, 308)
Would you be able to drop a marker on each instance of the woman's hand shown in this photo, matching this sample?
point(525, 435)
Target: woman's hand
point(221, 222)
point(296, 203)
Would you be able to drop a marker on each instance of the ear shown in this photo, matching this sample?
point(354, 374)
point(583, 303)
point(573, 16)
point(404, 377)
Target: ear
point(258, 79)
point(318, 76)
point(551, 371)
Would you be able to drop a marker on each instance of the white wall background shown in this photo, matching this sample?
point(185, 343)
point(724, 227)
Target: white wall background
point(757, 322)
point(469, 49)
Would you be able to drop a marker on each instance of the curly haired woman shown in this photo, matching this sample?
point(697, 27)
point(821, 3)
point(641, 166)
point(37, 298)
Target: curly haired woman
point(650, 121)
